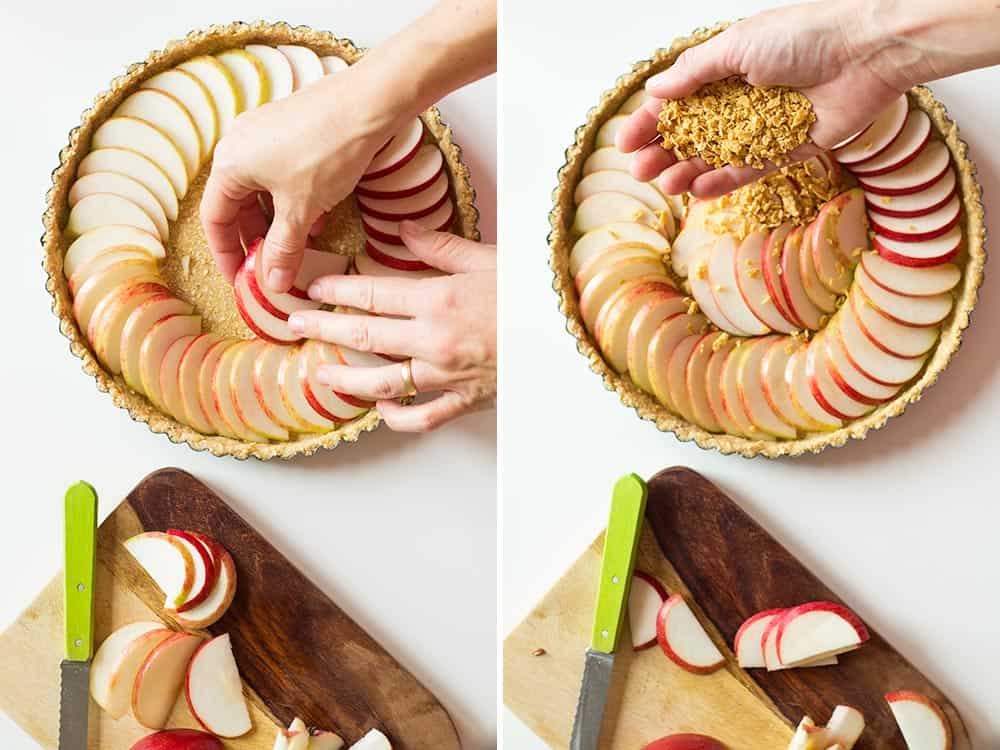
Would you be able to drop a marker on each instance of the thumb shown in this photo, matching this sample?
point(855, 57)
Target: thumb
point(696, 66)
point(447, 252)
point(284, 246)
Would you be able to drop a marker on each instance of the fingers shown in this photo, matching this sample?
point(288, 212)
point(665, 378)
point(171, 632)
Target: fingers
point(386, 295)
point(284, 246)
point(253, 222)
point(221, 207)
point(423, 417)
point(678, 178)
point(362, 332)
point(650, 161)
point(378, 383)
point(447, 252)
point(319, 225)
point(710, 61)
point(716, 182)
point(640, 128)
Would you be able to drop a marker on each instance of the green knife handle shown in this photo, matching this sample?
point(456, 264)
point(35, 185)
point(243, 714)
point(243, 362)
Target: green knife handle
point(628, 506)
point(80, 554)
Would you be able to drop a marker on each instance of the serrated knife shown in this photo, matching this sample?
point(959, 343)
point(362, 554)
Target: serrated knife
point(78, 611)
point(628, 505)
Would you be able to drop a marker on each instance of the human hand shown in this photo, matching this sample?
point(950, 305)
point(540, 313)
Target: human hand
point(821, 50)
point(306, 152)
point(447, 325)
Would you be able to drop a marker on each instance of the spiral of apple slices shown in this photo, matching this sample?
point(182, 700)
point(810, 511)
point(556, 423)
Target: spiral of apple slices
point(128, 189)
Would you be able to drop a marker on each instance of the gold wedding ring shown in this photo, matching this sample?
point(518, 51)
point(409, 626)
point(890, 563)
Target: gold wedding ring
point(406, 373)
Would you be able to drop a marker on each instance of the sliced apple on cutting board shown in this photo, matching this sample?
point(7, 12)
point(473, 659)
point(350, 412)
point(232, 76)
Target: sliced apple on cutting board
point(684, 640)
point(160, 678)
point(645, 598)
point(214, 690)
point(168, 561)
point(920, 719)
point(117, 662)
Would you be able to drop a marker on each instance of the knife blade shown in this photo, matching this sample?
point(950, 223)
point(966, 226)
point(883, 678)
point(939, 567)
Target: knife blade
point(80, 550)
point(628, 505)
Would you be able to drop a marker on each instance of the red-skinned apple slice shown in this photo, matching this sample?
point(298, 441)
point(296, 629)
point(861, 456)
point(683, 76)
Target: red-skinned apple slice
point(324, 401)
point(293, 393)
point(919, 228)
point(801, 395)
point(264, 324)
point(157, 341)
point(220, 597)
point(413, 206)
point(338, 354)
point(792, 286)
point(108, 320)
point(136, 330)
point(140, 168)
point(840, 235)
point(600, 288)
point(850, 379)
point(224, 395)
point(613, 180)
point(677, 376)
point(372, 740)
point(769, 649)
point(645, 598)
point(845, 726)
point(828, 395)
point(189, 381)
point(770, 264)
point(205, 574)
point(685, 741)
point(713, 387)
point(607, 208)
point(278, 304)
point(249, 407)
point(394, 256)
point(889, 335)
point(101, 284)
point(909, 281)
point(298, 735)
point(611, 329)
point(923, 202)
point(753, 288)
point(179, 739)
point(924, 254)
point(316, 263)
point(660, 306)
point(701, 289)
point(117, 661)
point(401, 148)
point(816, 290)
point(169, 377)
point(911, 311)
point(665, 340)
point(921, 720)
point(695, 382)
point(773, 367)
point(748, 643)
point(268, 389)
point(416, 175)
point(214, 690)
point(160, 679)
point(851, 138)
point(914, 136)
point(817, 629)
point(168, 562)
point(928, 167)
point(875, 363)
point(368, 266)
point(596, 241)
point(606, 157)
point(124, 187)
point(98, 240)
point(323, 740)
point(206, 383)
point(722, 280)
point(729, 387)
point(878, 137)
point(750, 385)
point(106, 209)
point(388, 231)
point(684, 640)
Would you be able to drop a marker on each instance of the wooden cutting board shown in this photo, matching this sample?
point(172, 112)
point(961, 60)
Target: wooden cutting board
point(697, 541)
point(297, 651)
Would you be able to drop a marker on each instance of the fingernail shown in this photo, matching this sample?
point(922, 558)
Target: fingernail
point(323, 376)
point(412, 229)
point(315, 290)
point(280, 279)
point(297, 324)
point(659, 78)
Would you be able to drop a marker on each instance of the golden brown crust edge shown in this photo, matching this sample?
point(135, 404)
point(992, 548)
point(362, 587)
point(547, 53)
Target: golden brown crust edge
point(209, 41)
point(972, 259)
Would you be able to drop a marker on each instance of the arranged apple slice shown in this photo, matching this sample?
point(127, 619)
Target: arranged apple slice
point(189, 380)
point(919, 228)
point(769, 647)
point(293, 393)
point(206, 387)
point(214, 689)
point(923, 202)
point(169, 376)
point(773, 369)
point(912, 311)
point(224, 394)
point(845, 726)
point(801, 394)
point(258, 319)
point(922, 722)
point(123, 187)
point(160, 679)
point(136, 166)
point(701, 289)
point(214, 606)
point(101, 284)
point(168, 562)
point(179, 739)
point(909, 281)
point(268, 391)
point(372, 740)
point(205, 574)
point(714, 386)
point(333, 64)
point(696, 384)
point(616, 181)
point(692, 238)
point(365, 265)
point(604, 283)
point(607, 157)
point(137, 327)
point(416, 175)
point(104, 260)
point(414, 206)
point(818, 292)
point(154, 348)
point(634, 101)
point(219, 82)
point(770, 264)
point(277, 69)
point(875, 363)
point(607, 208)
point(305, 63)
point(645, 597)
point(117, 661)
point(394, 256)
point(722, 280)
point(676, 377)
point(612, 255)
point(879, 135)
point(249, 407)
point(933, 252)
point(171, 118)
point(664, 304)
point(138, 135)
point(250, 76)
point(665, 340)
point(611, 329)
point(193, 95)
point(607, 132)
point(792, 285)
point(850, 379)
point(750, 386)
point(401, 148)
point(912, 138)
point(109, 318)
point(833, 399)
point(732, 403)
point(322, 399)
point(926, 169)
point(817, 629)
point(278, 304)
point(839, 234)
point(752, 287)
point(99, 240)
point(388, 231)
point(899, 339)
point(748, 643)
point(684, 640)
point(104, 209)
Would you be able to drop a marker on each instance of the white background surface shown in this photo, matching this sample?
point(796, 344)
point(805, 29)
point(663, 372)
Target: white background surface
point(903, 526)
point(399, 530)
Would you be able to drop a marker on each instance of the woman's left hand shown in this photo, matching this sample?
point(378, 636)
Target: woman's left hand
point(446, 325)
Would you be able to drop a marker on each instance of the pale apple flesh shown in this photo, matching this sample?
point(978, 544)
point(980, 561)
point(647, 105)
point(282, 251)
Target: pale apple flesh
point(139, 167)
point(214, 689)
point(922, 722)
point(97, 241)
point(107, 209)
point(413, 206)
point(372, 740)
point(817, 629)
point(665, 340)
point(103, 260)
point(278, 70)
point(646, 596)
point(167, 561)
point(268, 388)
point(388, 231)
point(724, 288)
point(656, 309)
point(696, 383)
point(137, 328)
point(171, 118)
point(138, 135)
point(613, 180)
point(752, 287)
point(189, 382)
point(676, 381)
point(108, 320)
point(416, 175)
point(701, 290)
point(932, 162)
point(157, 341)
point(879, 135)
point(930, 198)
point(596, 241)
point(160, 678)
point(124, 187)
point(215, 605)
point(195, 98)
point(607, 208)
point(219, 82)
point(683, 639)
point(250, 76)
point(306, 65)
point(914, 136)
point(401, 148)
point(117, 661)
point(206, 574)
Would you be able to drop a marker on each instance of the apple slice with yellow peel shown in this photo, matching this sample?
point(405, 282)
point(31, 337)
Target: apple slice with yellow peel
point(195, 98)
point(887, 334)
point(169, 377)
point(606, 157)
point(676, 373)
point(188, 381)
point(750, 385)
point(816, 290)
point(773, 367)
point(277, 69)
point(607, 208)
point(123, 187)
point(248, 406)
point(98, 286)
point(724, 287)
point(607, 132)
point(833, 399)
point(667, 337)
point(306, 66)
point(613, 180)
point(912, 282)
point(214, 606)
point(372, 740)
point(612, 255)
point(206, 387)
point(634, 101)
point(792, 285)
point(923, 724)
point(293, 393)
point(714, 386)
point(170, 117)
point(160, 678)
point(116, 662)
point(91, 244)
point(138, 135)
point(136, 166)
point(108, 322)
point(224, 394)
point(597, 240)
point(752, 287)
point(104, 209)
point(250, 76)
point(214, 690)
point(221, 85)
point(663, 304)
point(167, 561)
point(137, 327)
point(801, 394)
point(611, 328)
point(599, 289)
point(103, 260)
point(696, 384)
point(154, 347)
point(268, 390)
